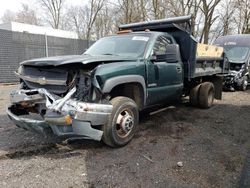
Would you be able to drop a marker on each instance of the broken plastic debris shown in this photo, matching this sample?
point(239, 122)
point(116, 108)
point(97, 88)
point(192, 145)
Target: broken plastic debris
point(180, 164)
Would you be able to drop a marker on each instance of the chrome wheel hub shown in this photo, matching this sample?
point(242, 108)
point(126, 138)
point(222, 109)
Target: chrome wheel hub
point(125, 122)
point(245, 83)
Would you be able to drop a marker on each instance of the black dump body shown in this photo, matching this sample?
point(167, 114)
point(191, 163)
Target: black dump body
point(180, 29)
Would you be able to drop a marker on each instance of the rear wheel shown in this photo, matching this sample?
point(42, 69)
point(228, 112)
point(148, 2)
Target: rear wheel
point(120, 127)
point(206, 95)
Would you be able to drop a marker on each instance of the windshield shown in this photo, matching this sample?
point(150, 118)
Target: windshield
point(120, 45)
point(237, 53)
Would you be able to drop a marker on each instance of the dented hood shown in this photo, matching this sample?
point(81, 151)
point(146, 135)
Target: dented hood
point(84, 59)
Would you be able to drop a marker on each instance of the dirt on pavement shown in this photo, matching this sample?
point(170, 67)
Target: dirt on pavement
point(211, 144)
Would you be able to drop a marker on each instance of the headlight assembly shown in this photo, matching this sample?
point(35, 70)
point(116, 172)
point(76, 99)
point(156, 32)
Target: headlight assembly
point(20, 69)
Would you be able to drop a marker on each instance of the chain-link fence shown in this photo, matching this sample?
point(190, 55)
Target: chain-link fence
point(16, 47)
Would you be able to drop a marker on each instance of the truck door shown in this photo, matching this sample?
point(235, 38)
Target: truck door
point(165, 80)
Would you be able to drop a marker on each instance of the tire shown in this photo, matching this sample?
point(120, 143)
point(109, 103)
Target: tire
point(121, 125)
point(243, 86)
point(194, 95)
point(206, 95)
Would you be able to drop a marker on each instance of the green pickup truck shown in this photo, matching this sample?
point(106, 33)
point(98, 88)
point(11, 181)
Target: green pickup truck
point(98, 95)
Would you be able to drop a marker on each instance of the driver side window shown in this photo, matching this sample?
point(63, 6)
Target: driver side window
point(160, 45)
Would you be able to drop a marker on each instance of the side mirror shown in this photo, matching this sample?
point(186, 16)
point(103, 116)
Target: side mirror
point(172, 54)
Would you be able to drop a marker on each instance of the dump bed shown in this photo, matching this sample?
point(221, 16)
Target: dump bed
point(198, 59)
point(209, 60)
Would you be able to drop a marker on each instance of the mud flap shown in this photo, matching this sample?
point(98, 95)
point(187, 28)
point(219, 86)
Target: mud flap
point(218, 86)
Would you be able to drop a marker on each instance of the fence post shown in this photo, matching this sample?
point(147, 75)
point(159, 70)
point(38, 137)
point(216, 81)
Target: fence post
point(46, 45)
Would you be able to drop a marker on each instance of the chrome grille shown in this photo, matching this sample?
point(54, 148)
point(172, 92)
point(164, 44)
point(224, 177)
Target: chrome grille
point(52, 79)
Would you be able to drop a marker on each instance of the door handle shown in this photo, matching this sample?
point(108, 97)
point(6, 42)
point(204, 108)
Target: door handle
point(178, 69)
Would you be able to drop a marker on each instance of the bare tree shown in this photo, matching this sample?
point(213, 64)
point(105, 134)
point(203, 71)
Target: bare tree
point(105, 23)
point(186, 7)
point(143, 9)
point(242, 18)
point(8, 16)
point(226, 17)
point(224, 25)
point(54, 9)
point(76, 17)
point(93, 10)
point(83, 19)
point(211, 18)
point(158, 9)
point(25, 15)
point(128, 13)
point(208, 7)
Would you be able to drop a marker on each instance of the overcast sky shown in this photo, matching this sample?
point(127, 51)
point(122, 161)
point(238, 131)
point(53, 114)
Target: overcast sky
point(15, 5)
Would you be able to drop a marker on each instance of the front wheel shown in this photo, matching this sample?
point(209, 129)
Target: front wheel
point(243, 86)
point(121, 125)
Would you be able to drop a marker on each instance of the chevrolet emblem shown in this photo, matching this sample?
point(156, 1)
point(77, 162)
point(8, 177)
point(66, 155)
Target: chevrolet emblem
point(42, 80)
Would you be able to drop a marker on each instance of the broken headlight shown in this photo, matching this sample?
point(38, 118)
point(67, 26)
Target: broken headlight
point(20, 69)
point(84, 85)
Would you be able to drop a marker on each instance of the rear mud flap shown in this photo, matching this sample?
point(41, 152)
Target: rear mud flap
point(218, 86)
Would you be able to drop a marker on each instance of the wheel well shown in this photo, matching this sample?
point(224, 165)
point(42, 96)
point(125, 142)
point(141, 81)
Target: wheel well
point(130, 90)
point(217, 81)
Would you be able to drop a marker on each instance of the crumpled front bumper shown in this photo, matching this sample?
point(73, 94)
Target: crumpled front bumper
point(84, 116)
point(39, 126)
point(234, 78)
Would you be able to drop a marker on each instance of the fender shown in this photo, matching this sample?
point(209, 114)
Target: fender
point(115, 81)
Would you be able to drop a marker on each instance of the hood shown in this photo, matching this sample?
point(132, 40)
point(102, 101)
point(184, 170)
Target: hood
point(236, 62)
point(84, 59)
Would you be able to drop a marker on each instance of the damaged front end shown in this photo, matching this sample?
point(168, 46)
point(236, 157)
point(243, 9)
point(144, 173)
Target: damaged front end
point(235, 77)
point(64, 102)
